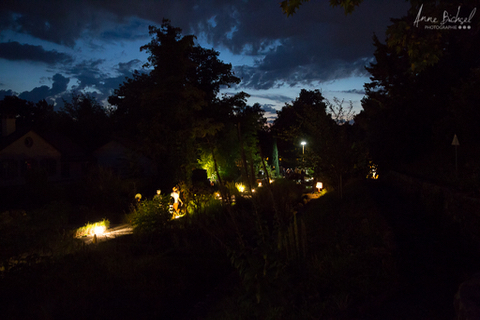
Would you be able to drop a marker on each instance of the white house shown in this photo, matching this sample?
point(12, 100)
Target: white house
point(24, 151)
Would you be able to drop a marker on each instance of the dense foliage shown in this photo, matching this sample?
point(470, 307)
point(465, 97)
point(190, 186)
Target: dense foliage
point(270, 254)
point(167, 108)
point(411, 110)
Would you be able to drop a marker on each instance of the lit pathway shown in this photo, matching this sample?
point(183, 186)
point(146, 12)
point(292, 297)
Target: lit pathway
point(110, 233)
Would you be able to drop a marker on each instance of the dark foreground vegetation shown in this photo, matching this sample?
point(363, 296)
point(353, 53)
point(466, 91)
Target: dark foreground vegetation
point(372, 255)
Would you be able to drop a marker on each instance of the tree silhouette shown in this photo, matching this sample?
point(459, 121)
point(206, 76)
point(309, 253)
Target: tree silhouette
point(85, 121)
point(411, 112)
point(25, 112)
point(166, 107)
point(335, 153)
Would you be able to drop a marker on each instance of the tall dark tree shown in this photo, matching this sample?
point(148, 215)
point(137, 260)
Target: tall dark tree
point(249, 121)
point(25, 112)
point(85, 121)
point(167, 105)
point(289, 127)
point(332, 150)
point(409, 108)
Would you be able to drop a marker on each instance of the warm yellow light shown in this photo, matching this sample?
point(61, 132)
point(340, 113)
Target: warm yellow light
point(372, 174)
point(271, 180)
point(90, 229)
point(260, 183)
point(319, 185)
point(99, 230)
point(240, 187)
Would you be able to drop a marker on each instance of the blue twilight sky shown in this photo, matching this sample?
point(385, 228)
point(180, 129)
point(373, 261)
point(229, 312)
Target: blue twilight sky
point(50, 48)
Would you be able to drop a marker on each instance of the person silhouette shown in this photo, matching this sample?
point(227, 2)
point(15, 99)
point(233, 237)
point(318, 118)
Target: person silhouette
point(176, 200)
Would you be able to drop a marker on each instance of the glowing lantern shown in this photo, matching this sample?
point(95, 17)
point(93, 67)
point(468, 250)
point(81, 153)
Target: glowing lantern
point(319, 186)
point(240, 187)
point(99, 230)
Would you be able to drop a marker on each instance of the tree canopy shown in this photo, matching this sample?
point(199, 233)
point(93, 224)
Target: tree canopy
point(333, 150)
point(167, 107)
point(411, 110)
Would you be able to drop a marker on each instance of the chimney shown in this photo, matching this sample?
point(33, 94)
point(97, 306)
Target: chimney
point(8, 126)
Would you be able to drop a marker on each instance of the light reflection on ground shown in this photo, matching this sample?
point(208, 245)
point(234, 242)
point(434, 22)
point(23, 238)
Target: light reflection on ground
point(110, 233)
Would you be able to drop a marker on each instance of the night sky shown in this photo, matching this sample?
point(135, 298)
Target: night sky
point(50, 48)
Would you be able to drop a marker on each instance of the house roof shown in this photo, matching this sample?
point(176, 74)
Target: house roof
point(67, 148)
point(8, 140)
point(125, 142)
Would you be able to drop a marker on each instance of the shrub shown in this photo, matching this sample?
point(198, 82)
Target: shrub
point(26, 236)
point(105, 191)
point(151, 216)
point(92, 228)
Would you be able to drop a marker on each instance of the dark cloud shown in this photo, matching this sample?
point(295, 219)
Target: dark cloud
point(134, 29)
point(64, 22)
point(89, 73)
point(16, 51)
point(59, 86)
point(241, 26)
point(127, 67)
point(36, 94)
point(4, 93)
point(274, 97)
point(317, 44)
point(269, 108)
point(358, 91)
point(124, 70)
point(90, 78)
point(61, 22)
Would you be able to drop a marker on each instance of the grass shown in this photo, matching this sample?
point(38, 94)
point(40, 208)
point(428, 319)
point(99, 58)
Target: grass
point(90, 229)
point(349, 263)
point(124, 278)
point(182, 270)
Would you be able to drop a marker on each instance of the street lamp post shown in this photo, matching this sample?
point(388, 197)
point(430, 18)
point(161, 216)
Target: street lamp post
point(303, 143)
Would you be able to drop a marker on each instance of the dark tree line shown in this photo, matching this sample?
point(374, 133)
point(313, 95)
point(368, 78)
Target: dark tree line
point(422, 93)
point(419, 96)
point(170, 111)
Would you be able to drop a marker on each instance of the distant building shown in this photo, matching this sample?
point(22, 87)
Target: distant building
point(121, 156)
point(23, 151)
